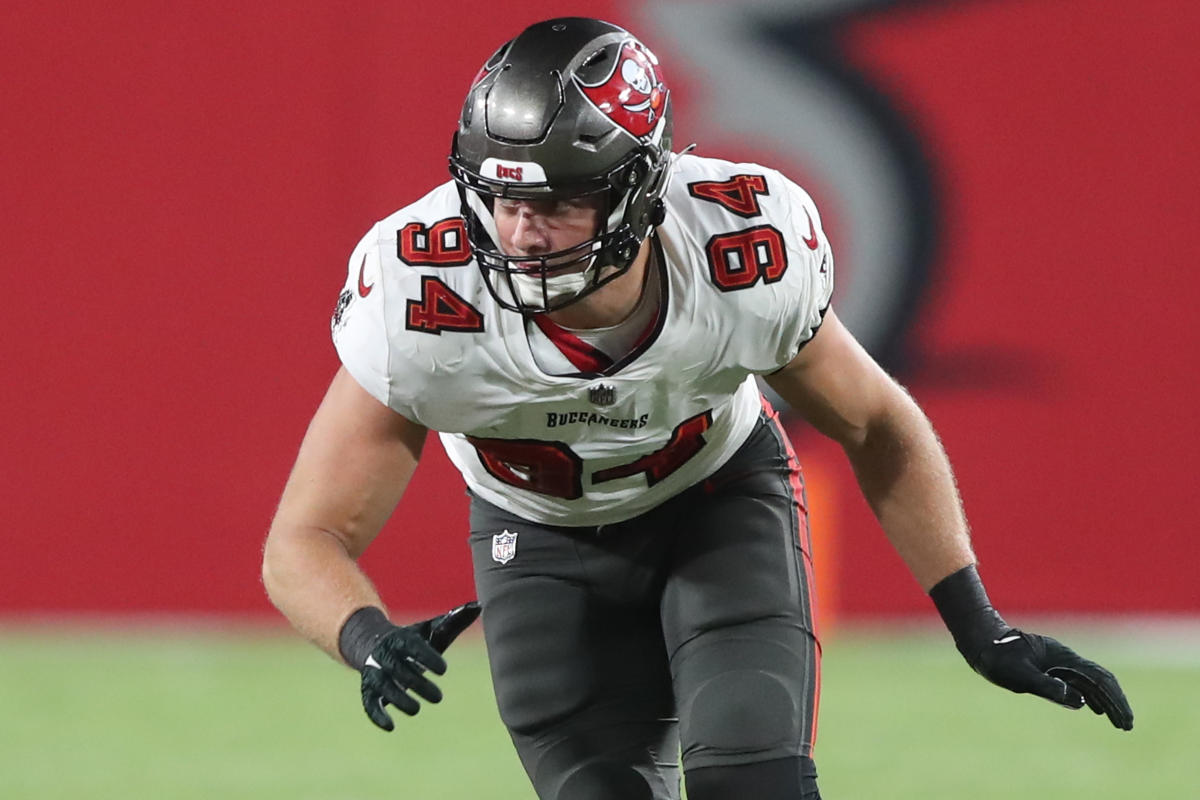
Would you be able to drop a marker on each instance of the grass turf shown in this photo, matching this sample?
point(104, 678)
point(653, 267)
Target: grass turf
point(181, 714)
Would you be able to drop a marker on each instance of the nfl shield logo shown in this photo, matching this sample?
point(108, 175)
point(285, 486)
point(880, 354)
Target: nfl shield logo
point(602, 394)
point(504, 547)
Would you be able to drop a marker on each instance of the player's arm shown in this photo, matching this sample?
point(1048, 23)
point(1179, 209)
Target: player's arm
point(906, 478)
point(354, 464)
point(899, 463)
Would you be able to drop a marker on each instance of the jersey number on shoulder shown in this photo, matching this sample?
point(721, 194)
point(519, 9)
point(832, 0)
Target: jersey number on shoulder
point(739, 194)
point(442, 244)
point(738, 259)
point(440, 309)
point(554, 469)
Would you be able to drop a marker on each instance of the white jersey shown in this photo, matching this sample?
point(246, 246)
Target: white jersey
point(745, 276)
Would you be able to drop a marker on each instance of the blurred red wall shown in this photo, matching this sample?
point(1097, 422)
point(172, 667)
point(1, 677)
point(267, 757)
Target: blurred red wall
point(182, 184)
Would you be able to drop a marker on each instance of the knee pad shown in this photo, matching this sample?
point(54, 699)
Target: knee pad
point(741, 715)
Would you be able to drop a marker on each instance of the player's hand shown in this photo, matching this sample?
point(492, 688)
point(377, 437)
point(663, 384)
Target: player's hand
point(1023, 662)
point(1029, 663)
point(400, 658)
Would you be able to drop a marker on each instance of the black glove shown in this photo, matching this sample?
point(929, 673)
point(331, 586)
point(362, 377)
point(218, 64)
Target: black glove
point(1024, 662)
point(1027, 662)
point(393, 658)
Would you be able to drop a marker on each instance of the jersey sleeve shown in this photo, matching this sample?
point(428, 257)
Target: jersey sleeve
point(359, 323)
point(809, 291)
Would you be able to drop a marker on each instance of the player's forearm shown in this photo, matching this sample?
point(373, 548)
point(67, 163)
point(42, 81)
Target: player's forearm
point(312, 579)
point(906, 478)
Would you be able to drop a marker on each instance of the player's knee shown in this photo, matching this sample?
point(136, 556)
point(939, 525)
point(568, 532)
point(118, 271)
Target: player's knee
point(740, 713)
point(604, 780)
point(582, 761)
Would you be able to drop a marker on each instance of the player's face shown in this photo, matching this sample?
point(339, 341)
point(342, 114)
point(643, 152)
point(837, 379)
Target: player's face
point(538, 227)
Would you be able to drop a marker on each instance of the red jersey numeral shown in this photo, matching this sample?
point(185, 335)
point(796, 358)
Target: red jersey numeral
point(550, 468)
point(442, 244)
point(554, 469)
point(737, 260)
point(739, 194)
point(440, 309)
point(686, 441)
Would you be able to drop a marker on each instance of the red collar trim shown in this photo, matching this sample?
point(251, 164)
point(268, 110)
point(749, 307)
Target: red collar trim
point(582, 355)
point(588, 359)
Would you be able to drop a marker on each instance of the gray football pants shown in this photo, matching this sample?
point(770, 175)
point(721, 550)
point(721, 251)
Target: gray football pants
point(686, 629)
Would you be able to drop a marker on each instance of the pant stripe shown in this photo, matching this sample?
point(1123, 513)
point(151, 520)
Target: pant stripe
point(804, 536)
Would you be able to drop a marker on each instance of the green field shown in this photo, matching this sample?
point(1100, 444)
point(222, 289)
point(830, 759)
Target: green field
point(179, 714)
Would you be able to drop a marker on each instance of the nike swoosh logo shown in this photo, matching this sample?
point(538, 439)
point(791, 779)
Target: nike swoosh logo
point(1007, 639)
point(811, 239)
point(363, 289)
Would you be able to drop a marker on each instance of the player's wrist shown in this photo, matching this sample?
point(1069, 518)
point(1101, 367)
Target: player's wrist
point(967, 612)
point(359, 634)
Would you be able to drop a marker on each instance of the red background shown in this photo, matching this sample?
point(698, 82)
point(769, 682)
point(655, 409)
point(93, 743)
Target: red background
point(182, 184)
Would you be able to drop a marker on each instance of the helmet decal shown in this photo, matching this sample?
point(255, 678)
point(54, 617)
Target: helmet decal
point(633, 94)
point(512, 171)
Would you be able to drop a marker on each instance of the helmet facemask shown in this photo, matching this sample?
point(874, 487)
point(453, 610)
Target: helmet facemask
point(547, 282)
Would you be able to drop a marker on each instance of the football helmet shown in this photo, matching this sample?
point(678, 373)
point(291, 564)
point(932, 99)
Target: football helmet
point(570, 107)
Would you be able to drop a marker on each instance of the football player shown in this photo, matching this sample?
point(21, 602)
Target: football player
point(581, 313)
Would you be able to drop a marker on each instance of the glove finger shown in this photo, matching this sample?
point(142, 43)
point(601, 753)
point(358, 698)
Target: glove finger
point(1100, 689)
point(373, 705)
point(446, 628)
point(423, 687)
point(404, 651)
point(1081, 685)
point(386, 691)
point(1097, 684)
point(1107, 699)
point(421, 653)
point(1055, 690)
